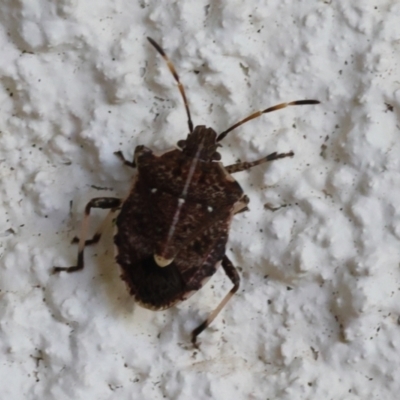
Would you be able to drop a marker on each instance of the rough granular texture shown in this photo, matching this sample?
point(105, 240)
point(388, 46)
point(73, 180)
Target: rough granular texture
point(317, 313)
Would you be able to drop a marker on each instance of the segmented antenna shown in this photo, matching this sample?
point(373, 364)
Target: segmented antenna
point(175, 74)
point(267, 110)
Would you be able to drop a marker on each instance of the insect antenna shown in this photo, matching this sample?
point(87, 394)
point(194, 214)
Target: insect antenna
point(267, 110)
point(175, 74)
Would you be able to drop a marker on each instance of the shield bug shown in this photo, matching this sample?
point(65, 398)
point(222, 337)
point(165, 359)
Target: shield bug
point(172, 228)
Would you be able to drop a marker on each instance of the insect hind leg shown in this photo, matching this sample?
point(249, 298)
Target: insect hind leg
point(247, 165)
point(99, 202)
point(233, 275)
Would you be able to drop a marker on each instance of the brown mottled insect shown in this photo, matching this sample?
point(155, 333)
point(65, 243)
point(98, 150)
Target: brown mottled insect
point(172, 228)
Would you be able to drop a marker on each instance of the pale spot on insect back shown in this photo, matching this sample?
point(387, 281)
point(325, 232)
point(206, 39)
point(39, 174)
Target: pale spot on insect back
point(161, 261)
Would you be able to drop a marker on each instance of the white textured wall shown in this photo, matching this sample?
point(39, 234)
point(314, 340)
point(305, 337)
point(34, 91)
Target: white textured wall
point(317, 314)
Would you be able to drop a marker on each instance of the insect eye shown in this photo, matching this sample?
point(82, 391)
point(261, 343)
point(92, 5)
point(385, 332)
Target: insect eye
point(181, 144)
point(216, 156)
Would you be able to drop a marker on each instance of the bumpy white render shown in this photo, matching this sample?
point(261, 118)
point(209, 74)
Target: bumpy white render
point(317, 313)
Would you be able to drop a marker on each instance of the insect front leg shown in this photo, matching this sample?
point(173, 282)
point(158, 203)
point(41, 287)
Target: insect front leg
point(233, 275)
point(139, 152)
point(100, 202)
point(247, 165)
point(120, 155)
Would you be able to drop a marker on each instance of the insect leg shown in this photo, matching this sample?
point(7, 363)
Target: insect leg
point(99, 202)
point(124, 160)
point(233, 275)
point(246, 165)
point(97, 236)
